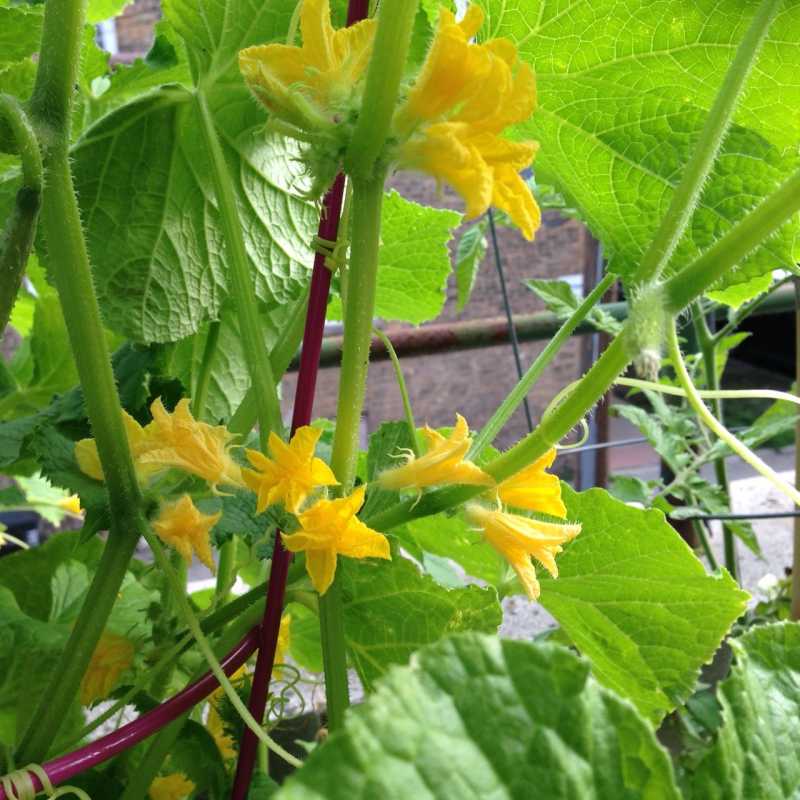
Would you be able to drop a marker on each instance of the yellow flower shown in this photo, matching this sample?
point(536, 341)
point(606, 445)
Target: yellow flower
point(465, 96)
point(170, 787)
point(112, 656)
point(179, 440)
point(174, 440)
point(139, 441)
point(72, 504)
point(182, 526)
point(330, 528)
point(534, 489)
point(291, 474)
point(518, 538)
point(301, 84)
point(443, 463)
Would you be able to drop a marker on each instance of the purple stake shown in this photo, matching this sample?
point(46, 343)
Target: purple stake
point(303, 404)
point(65, 767)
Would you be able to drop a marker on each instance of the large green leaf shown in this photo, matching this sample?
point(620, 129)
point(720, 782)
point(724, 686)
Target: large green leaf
point(391, 610)
point(414, 262)
point(144, 179)
point(99, 10)
point(478, 717)
point(20, 32)
point(637, 603)
point(624, 87)
point(755, 753)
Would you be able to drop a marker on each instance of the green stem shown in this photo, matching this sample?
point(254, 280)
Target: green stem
point(717, 428)
point(246, 416)
point(708, 354)
point(526, 383)
point(226, 571)
point(681, 289)
point(147, 769)
point(50, 111)
point(210, 657)
point(386, 68)
point(204, 377)
point(700, 530)
point(359, 310)
point(16, 243)
point(686, 195)
point(401, 384)
point(241, 284)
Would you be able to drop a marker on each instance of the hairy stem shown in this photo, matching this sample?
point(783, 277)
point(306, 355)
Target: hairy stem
point(17, 240)
point(387, 64)
point(204, 377)
point(504, 411)
point(686, 195)
point(50, 111)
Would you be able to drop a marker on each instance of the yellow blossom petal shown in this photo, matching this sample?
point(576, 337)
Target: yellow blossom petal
point(182, 442)
point(443, 463)
point(112, 656)
point(291, 474)
point(518, 538)
point(324, 70)
point(330, 528)
point(181, 526)
point(534, 489)
point(170, 787)
point(465, 95)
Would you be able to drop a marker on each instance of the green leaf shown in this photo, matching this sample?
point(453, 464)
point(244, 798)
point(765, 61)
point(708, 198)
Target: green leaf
point(305, 647)
point(42, 497)
point(755, 753)
point(562, 301)
point(100, 10)
point(469, 257)
point(623, 92)
point(20, 32)
point(69, 585)
point(154, 234)
point(196, 755)
point(414, 262)
point(391, 610)
point(637, 603)
point(476, 717)
point(452, 537)
point(28, 574)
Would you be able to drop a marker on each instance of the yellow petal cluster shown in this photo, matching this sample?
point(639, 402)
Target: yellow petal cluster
point(111, 658)
point(170, 787)
point(175, 440)
point(182, 526)
point(317, 78)
point(534, 489)
point(182, 442)
point(292, 472)
point(464, 97)
point(518, 538)
point(443, 463)
point(72, 504)
point(329, 529)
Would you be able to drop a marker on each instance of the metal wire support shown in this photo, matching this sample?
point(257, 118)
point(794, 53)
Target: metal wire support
point(512, 330)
